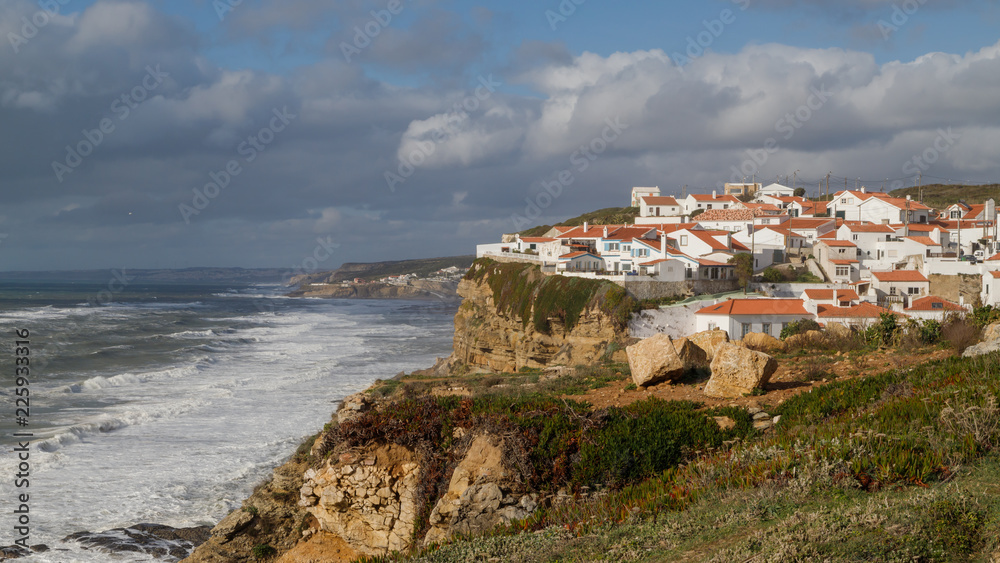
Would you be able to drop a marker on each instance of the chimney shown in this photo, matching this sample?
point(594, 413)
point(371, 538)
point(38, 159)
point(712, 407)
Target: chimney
point(714, 194)
point(585, 226)
point(907, 197)
point(605, 232)
point(863, 189)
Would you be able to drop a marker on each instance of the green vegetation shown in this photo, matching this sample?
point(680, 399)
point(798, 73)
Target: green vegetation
point(263, 551)
point(744, 268)
point(900, 466)
point(606, 216)
point(522, 291)
point(940, 196)
point(799, 327)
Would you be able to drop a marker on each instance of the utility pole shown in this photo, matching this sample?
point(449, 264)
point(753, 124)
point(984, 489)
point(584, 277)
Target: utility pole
point(920, 186)
point(684, 192)
point(828, 185)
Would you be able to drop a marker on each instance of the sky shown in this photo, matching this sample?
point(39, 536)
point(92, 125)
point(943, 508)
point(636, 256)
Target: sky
point(266, 133)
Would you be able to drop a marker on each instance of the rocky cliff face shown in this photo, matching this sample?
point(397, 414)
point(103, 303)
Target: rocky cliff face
point(505, 337)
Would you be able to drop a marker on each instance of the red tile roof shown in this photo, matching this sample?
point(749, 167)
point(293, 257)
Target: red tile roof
point(809, 223)
point(660, 200)
point(721, 198)
point(863, 310)
point(854, 227)
point(901, 203)
point(926, 241)
point(840, 262)
point(538, 239)
point(757, 307)
point(994, 257)
point(828, 294)
point(927, 304)
point(840, 243)
point(900, 276)
point(995, 274)
point(577, 255)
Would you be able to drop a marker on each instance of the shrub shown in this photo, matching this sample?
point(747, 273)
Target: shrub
point(263, 551)
point(982, 316)
point(960, 333)
point(773, 275)
point(799, 327)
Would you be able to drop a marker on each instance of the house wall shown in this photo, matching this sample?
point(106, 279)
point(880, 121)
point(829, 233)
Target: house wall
point(734, 323)
point(644, 287)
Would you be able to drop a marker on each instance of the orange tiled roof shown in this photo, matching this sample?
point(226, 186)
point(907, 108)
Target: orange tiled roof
point(757, 307)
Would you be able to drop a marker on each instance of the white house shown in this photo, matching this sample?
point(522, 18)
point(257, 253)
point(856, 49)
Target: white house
point(862, 315)
point(656, 209)
point(704, 202)
point(740, 317)
point(839, 259)
point(932, 308)
point(807, 208)
point(814, 298)
point(580, 262)
point(865, 235)
point(812, 228)
point(900, 284)
point(844, 204)
point(990, 294)
point(892, 210)
point(639, 193)
point(776, 190)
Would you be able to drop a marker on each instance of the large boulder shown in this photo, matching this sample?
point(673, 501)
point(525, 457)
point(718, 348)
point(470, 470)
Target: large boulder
point(654, 360)
point(709, 340)
point(737, 371)
point(806, 339)
point(981, 349)
point(763, 343)
point(991, 332)
point(690, 353)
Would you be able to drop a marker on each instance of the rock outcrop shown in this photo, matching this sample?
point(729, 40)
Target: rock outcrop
point(655, 360)
point(371, 502)
point(416, 289)
point(500, 340)
point(737, 371)
point(482, 494)
point(990, 343)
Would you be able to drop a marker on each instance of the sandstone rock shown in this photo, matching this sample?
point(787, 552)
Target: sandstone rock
point(805, 340)
point(352, 406)
point(837, 330)
point(724, 422)
point(654, 360)
point(981, 349)
point(761, 416)
point(321, 546)
point(763, 343)
point(232, 524)
point(991, 332)
point(476, 500)
point(501, 342)
point(690, 353)
point(737, 371)
point(708, 341)
point(372, 506)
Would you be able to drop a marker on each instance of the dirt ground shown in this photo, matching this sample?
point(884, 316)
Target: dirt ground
point(794, 376)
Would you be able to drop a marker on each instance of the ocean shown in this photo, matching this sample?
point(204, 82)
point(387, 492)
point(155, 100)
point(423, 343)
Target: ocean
point(170, 403)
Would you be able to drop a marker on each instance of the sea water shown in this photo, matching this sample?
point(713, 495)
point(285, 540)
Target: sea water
point(170, 403)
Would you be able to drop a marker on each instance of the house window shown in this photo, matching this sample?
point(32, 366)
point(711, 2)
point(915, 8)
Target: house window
point(843, 271)
point(941, 305)
point(892, 290)
point(690, 273)
point(712, 326)
point(766, 328)
point(684, 240)
point(650, 210)
point(913, 291)
point(855, 237)
point(745, 329)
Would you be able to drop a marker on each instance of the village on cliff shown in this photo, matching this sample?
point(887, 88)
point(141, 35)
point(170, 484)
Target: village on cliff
point(846, 260)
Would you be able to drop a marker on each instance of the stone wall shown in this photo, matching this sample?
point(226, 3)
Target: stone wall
point(649, 289)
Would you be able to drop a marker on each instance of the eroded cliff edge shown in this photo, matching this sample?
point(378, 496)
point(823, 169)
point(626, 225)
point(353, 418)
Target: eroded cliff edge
point(381, 478)
point(512, 316)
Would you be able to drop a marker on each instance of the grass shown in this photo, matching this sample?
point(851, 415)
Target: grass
point(940, 196)
point(903, 465)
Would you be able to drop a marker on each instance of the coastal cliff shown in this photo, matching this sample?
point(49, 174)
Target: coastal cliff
point(416, 289)
point(512, 316)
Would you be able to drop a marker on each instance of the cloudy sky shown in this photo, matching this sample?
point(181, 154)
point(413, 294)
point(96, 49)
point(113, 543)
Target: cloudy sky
point(155, 134)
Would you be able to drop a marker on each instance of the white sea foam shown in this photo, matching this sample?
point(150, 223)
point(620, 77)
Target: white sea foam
point(184, 443)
